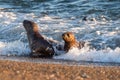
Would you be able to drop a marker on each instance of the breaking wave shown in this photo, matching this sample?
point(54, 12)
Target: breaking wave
point(90, 22)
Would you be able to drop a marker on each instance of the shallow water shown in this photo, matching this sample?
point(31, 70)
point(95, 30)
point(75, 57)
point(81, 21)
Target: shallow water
point(100, 31)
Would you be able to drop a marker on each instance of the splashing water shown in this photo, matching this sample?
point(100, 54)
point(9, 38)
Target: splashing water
point(100, 29)
point(86, 54)
point(12, 49)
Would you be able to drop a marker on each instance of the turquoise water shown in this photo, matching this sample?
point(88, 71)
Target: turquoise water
point(97, 22)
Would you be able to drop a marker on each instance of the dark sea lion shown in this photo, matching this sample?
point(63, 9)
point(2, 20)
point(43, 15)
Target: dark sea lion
point(39, 46)
point(71, 42)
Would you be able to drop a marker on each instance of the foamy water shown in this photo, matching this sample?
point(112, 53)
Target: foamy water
point(100, 32)
point(14, 40)
point(86, 54)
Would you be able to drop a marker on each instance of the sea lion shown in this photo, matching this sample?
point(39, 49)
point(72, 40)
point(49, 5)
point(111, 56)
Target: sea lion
point(70, 41)
point(39, 46)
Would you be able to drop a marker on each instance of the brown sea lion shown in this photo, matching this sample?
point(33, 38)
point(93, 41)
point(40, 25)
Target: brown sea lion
point(71, 42)
point(39, 46)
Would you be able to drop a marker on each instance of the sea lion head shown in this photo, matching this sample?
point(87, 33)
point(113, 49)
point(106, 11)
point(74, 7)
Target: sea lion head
point(69, 40)
point(68, 37)
point(30, 26)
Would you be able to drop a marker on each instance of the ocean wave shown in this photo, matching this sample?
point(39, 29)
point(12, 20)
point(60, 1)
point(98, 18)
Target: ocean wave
point(101, 31)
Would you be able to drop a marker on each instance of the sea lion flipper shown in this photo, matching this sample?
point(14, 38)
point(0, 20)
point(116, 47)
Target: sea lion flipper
point(57, 45)
point(81, 44)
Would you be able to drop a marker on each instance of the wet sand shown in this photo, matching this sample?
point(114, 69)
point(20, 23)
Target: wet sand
point(25, 68)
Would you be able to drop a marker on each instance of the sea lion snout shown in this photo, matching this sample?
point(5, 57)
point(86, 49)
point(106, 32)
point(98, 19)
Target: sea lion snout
point(68, 37)
point(27, 23)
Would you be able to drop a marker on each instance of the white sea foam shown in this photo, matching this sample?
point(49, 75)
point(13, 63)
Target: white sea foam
point(86, 54)
point(14, 48)
point(11, 29)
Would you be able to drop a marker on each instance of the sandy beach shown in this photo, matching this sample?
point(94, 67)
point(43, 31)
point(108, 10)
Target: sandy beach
point(24, 68)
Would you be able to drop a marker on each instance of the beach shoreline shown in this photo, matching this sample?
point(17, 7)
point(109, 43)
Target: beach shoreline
point(24, 68)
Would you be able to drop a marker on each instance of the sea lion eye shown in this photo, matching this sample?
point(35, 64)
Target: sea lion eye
point(68, 35)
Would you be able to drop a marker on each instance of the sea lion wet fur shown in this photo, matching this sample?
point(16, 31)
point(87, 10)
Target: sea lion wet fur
point(71, 42)
point(39, 46)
